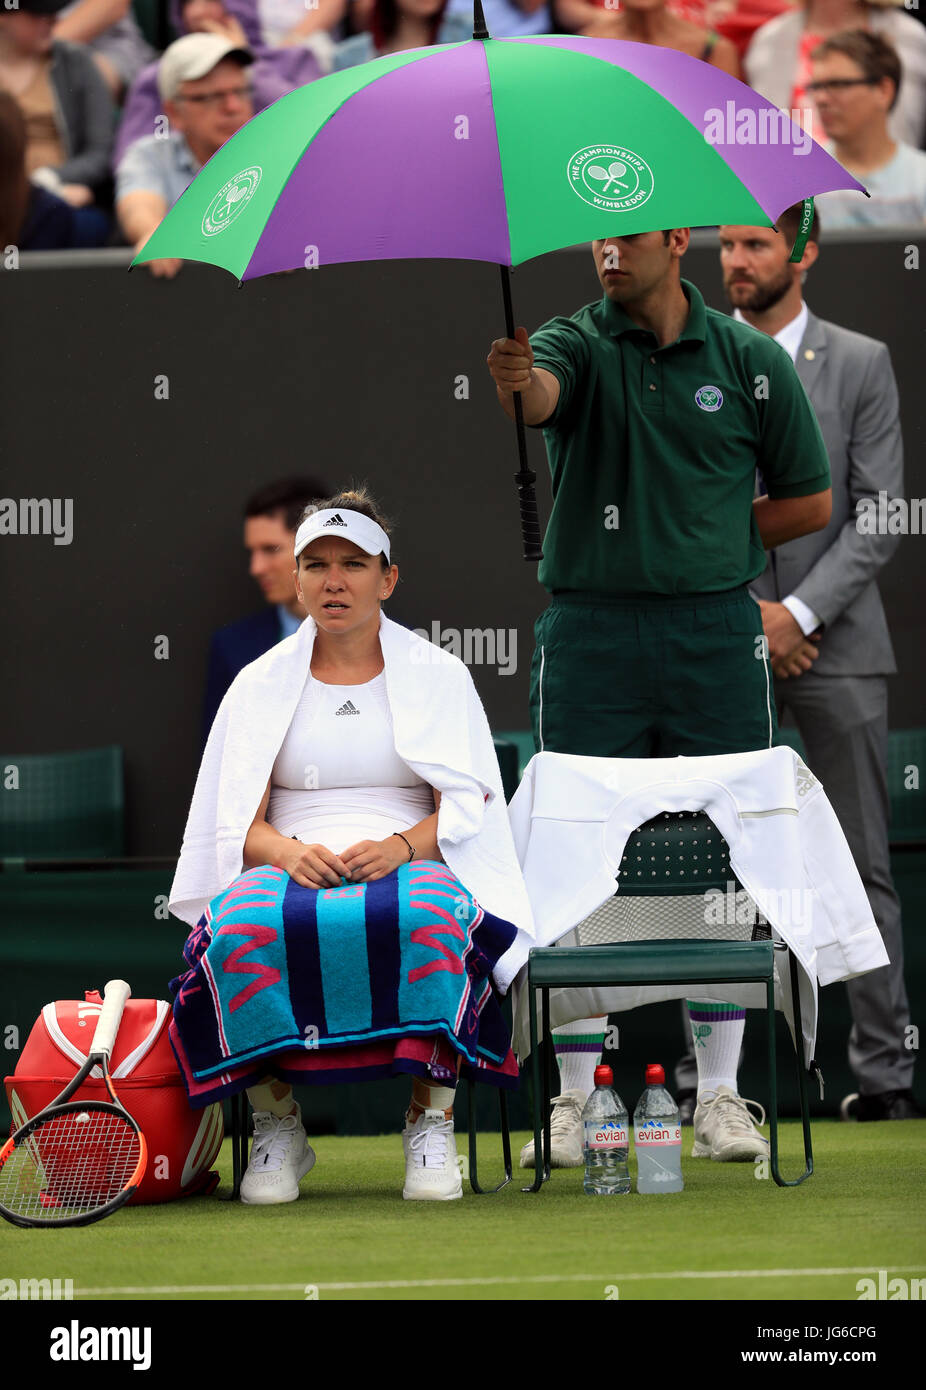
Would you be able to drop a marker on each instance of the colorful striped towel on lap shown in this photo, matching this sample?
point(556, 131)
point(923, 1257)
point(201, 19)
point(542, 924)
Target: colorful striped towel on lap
point(342, 983)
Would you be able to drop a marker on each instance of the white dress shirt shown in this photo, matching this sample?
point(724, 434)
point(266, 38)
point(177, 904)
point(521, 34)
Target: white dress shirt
point(790, 338)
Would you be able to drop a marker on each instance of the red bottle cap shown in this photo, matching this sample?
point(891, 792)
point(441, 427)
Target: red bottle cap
point(604, 1076)
point(655, 1075)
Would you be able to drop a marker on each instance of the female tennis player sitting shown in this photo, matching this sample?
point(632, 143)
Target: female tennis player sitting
point(347, 810)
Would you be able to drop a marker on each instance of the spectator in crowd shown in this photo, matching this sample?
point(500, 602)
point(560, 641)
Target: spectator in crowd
point(271, 518)
point(736, 20)
point(778, 59)
point(507, 19)
point(290, 23)
point(822, 614)
point(67, 110)
point(648, 21)
point(397, 25)
point(31, 218)
point(856, 81)
point(207, 97)
point(321, 26)
point(109, 30)
point(275, 71)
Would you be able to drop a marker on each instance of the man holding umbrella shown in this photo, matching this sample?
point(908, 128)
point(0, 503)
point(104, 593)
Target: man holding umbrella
point(656, 413)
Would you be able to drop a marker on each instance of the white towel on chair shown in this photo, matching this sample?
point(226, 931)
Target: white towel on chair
point(572, 816)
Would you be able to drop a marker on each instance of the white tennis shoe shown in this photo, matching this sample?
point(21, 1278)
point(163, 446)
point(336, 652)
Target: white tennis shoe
point(724, 1129)
point(431, 1170)
point(566, 1149)
point(280, 1156)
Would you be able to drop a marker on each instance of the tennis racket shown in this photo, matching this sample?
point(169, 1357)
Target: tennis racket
point(76, 1161)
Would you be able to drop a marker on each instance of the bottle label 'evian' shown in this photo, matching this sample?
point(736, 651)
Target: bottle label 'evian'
point(605, 1134)
point(651, 1133)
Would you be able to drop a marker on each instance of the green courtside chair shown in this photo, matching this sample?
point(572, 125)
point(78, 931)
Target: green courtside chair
point(61, 805)
point(508, 765)
point(654, 932)
point(906, 785)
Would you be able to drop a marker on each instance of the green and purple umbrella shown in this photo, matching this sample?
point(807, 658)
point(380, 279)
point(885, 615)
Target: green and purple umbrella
point(492, 150)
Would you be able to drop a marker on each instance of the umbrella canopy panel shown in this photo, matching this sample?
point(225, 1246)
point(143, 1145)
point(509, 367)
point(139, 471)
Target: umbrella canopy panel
point(494, 151)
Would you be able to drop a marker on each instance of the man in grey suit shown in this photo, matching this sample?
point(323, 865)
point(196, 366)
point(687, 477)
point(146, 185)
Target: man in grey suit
point(828, 637)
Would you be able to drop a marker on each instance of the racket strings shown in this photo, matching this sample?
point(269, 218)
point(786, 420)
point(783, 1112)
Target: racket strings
point(69, 1165)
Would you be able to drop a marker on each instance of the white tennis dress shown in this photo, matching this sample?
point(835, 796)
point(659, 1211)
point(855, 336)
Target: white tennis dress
point(337, 778)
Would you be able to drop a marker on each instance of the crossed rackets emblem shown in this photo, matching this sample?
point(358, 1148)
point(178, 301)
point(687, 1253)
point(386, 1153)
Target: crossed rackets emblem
point(231, 200)
point(611, 175)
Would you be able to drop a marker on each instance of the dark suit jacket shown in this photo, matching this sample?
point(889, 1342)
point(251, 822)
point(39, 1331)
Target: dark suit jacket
point(852, 389)
point(234, 647)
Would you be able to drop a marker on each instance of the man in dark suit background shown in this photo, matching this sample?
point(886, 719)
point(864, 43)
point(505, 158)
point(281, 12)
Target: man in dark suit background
point(828, 637)
point(271, 518)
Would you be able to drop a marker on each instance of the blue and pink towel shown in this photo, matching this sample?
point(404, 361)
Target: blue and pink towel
point(347, 983)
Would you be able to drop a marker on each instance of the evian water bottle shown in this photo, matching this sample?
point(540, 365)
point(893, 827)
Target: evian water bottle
point(604, 1121)
point(657, 1137)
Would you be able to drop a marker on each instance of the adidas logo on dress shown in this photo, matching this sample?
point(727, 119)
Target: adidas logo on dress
point(805, 779)
point(348, 708)
point(336, 520)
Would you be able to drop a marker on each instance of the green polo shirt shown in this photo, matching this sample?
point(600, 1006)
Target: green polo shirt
point(653, 450)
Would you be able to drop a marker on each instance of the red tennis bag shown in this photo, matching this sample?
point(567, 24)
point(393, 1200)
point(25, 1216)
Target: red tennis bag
point(182, 1142)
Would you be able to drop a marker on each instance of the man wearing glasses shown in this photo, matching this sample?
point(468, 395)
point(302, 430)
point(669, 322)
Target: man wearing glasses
point(856, 82)
point(207, 97)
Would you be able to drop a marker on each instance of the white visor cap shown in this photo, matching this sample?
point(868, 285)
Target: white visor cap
point(353, 526)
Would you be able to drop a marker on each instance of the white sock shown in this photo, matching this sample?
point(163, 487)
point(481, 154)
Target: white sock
point(578, 1051)
point(717, 1031)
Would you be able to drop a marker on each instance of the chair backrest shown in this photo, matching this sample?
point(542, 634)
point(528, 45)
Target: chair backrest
point(906, 765)
point(675, 881)
point(62, 805)
point(507, 753)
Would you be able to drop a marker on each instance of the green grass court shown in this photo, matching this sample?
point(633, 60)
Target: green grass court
point(728, 1236)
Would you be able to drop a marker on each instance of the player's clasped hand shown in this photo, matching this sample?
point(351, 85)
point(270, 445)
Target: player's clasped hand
point(315, 866)
point(371, 859)
point(510, 362)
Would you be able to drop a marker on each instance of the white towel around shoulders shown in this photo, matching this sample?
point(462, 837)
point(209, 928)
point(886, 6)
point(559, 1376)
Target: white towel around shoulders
point(441, 731)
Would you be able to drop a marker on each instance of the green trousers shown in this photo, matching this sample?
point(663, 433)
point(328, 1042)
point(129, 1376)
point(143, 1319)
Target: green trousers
point(655, 677)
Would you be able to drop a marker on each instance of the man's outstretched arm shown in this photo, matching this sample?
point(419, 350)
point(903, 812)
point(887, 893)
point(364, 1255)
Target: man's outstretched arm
point(511, 366)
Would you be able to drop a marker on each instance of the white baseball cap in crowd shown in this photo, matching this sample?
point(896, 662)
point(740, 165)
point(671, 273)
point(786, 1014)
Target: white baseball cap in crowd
point(353, 526)
point(193, 56)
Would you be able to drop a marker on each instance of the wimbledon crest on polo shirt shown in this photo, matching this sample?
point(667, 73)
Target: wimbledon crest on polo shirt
point(610, 177)
point(231, 200)
point(709, 398)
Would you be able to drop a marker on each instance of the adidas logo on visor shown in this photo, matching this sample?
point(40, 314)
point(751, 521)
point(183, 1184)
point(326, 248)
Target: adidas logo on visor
point(336, 520)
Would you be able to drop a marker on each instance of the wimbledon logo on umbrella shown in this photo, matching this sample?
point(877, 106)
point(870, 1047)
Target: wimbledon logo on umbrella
point(610, 177)
point(231, 201)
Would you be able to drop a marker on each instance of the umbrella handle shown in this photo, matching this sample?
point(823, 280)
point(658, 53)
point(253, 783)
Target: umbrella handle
point(525, 478)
